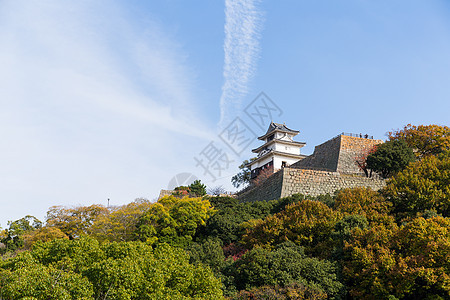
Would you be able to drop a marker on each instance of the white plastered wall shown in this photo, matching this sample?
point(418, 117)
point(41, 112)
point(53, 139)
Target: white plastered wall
point(278, 161)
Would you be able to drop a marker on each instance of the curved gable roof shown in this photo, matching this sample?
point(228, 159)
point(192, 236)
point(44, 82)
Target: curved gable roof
point(273, 127)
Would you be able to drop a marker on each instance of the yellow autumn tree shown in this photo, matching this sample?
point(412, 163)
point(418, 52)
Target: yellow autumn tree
point(424, 139)
point(307, 223)
point(364, 202)
point(407, 262)
point(74, 221)
point(423, 185)
point(44, 234)
point(119, 223)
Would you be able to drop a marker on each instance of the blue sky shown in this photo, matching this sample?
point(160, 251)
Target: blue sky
point(111, 99)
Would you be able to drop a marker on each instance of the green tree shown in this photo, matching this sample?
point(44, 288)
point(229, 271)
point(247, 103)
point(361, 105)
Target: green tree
point(25, 278)
point(133, 270)
point(13, 236)
point(343, 232)
point(244, 176)
point(284, 265)
point(197, 189)
point(208, 253)
point(226, 223)
point(292, 291)
point(84, 269)
point(390, 157)
point(173, 220)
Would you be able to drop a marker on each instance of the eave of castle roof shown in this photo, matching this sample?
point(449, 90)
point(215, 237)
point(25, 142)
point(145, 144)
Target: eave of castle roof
point(273, 152)
point(292, 143)
point(274, 127)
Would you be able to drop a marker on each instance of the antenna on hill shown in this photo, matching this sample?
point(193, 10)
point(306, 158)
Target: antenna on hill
point(108, 203)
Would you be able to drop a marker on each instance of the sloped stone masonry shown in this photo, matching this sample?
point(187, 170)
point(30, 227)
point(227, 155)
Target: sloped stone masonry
point(331, 167)
point(350, 148)
point(325, 156)
point(289, 181)
point(315, 182)
point(268, 190)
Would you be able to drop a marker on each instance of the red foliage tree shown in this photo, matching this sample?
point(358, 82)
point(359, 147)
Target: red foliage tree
point(263, 175)
point(361, 160)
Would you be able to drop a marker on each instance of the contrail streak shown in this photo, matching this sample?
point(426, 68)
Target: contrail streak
point(243, 23)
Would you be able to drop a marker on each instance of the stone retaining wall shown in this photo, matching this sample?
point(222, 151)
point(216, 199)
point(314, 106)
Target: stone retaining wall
point(325, 156)
point(338, 154)
point(289, 181)
point(315, 182)
point(164, 193)
point(350, 149)
point(268, 190)
point(331, 167)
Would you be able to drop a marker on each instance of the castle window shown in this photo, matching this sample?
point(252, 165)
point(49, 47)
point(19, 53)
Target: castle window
point(283, 164)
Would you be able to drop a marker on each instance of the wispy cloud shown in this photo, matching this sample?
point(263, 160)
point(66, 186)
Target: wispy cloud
point(94, 105)
point(243, 24)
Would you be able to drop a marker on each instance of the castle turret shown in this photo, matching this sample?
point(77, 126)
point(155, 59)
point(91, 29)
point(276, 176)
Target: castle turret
point(279, 150)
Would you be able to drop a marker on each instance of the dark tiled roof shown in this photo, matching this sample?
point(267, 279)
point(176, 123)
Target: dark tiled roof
point(273, 126)
point(277, 127)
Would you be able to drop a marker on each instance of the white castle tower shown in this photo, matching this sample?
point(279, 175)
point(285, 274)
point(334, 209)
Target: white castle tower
point(279, 150)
